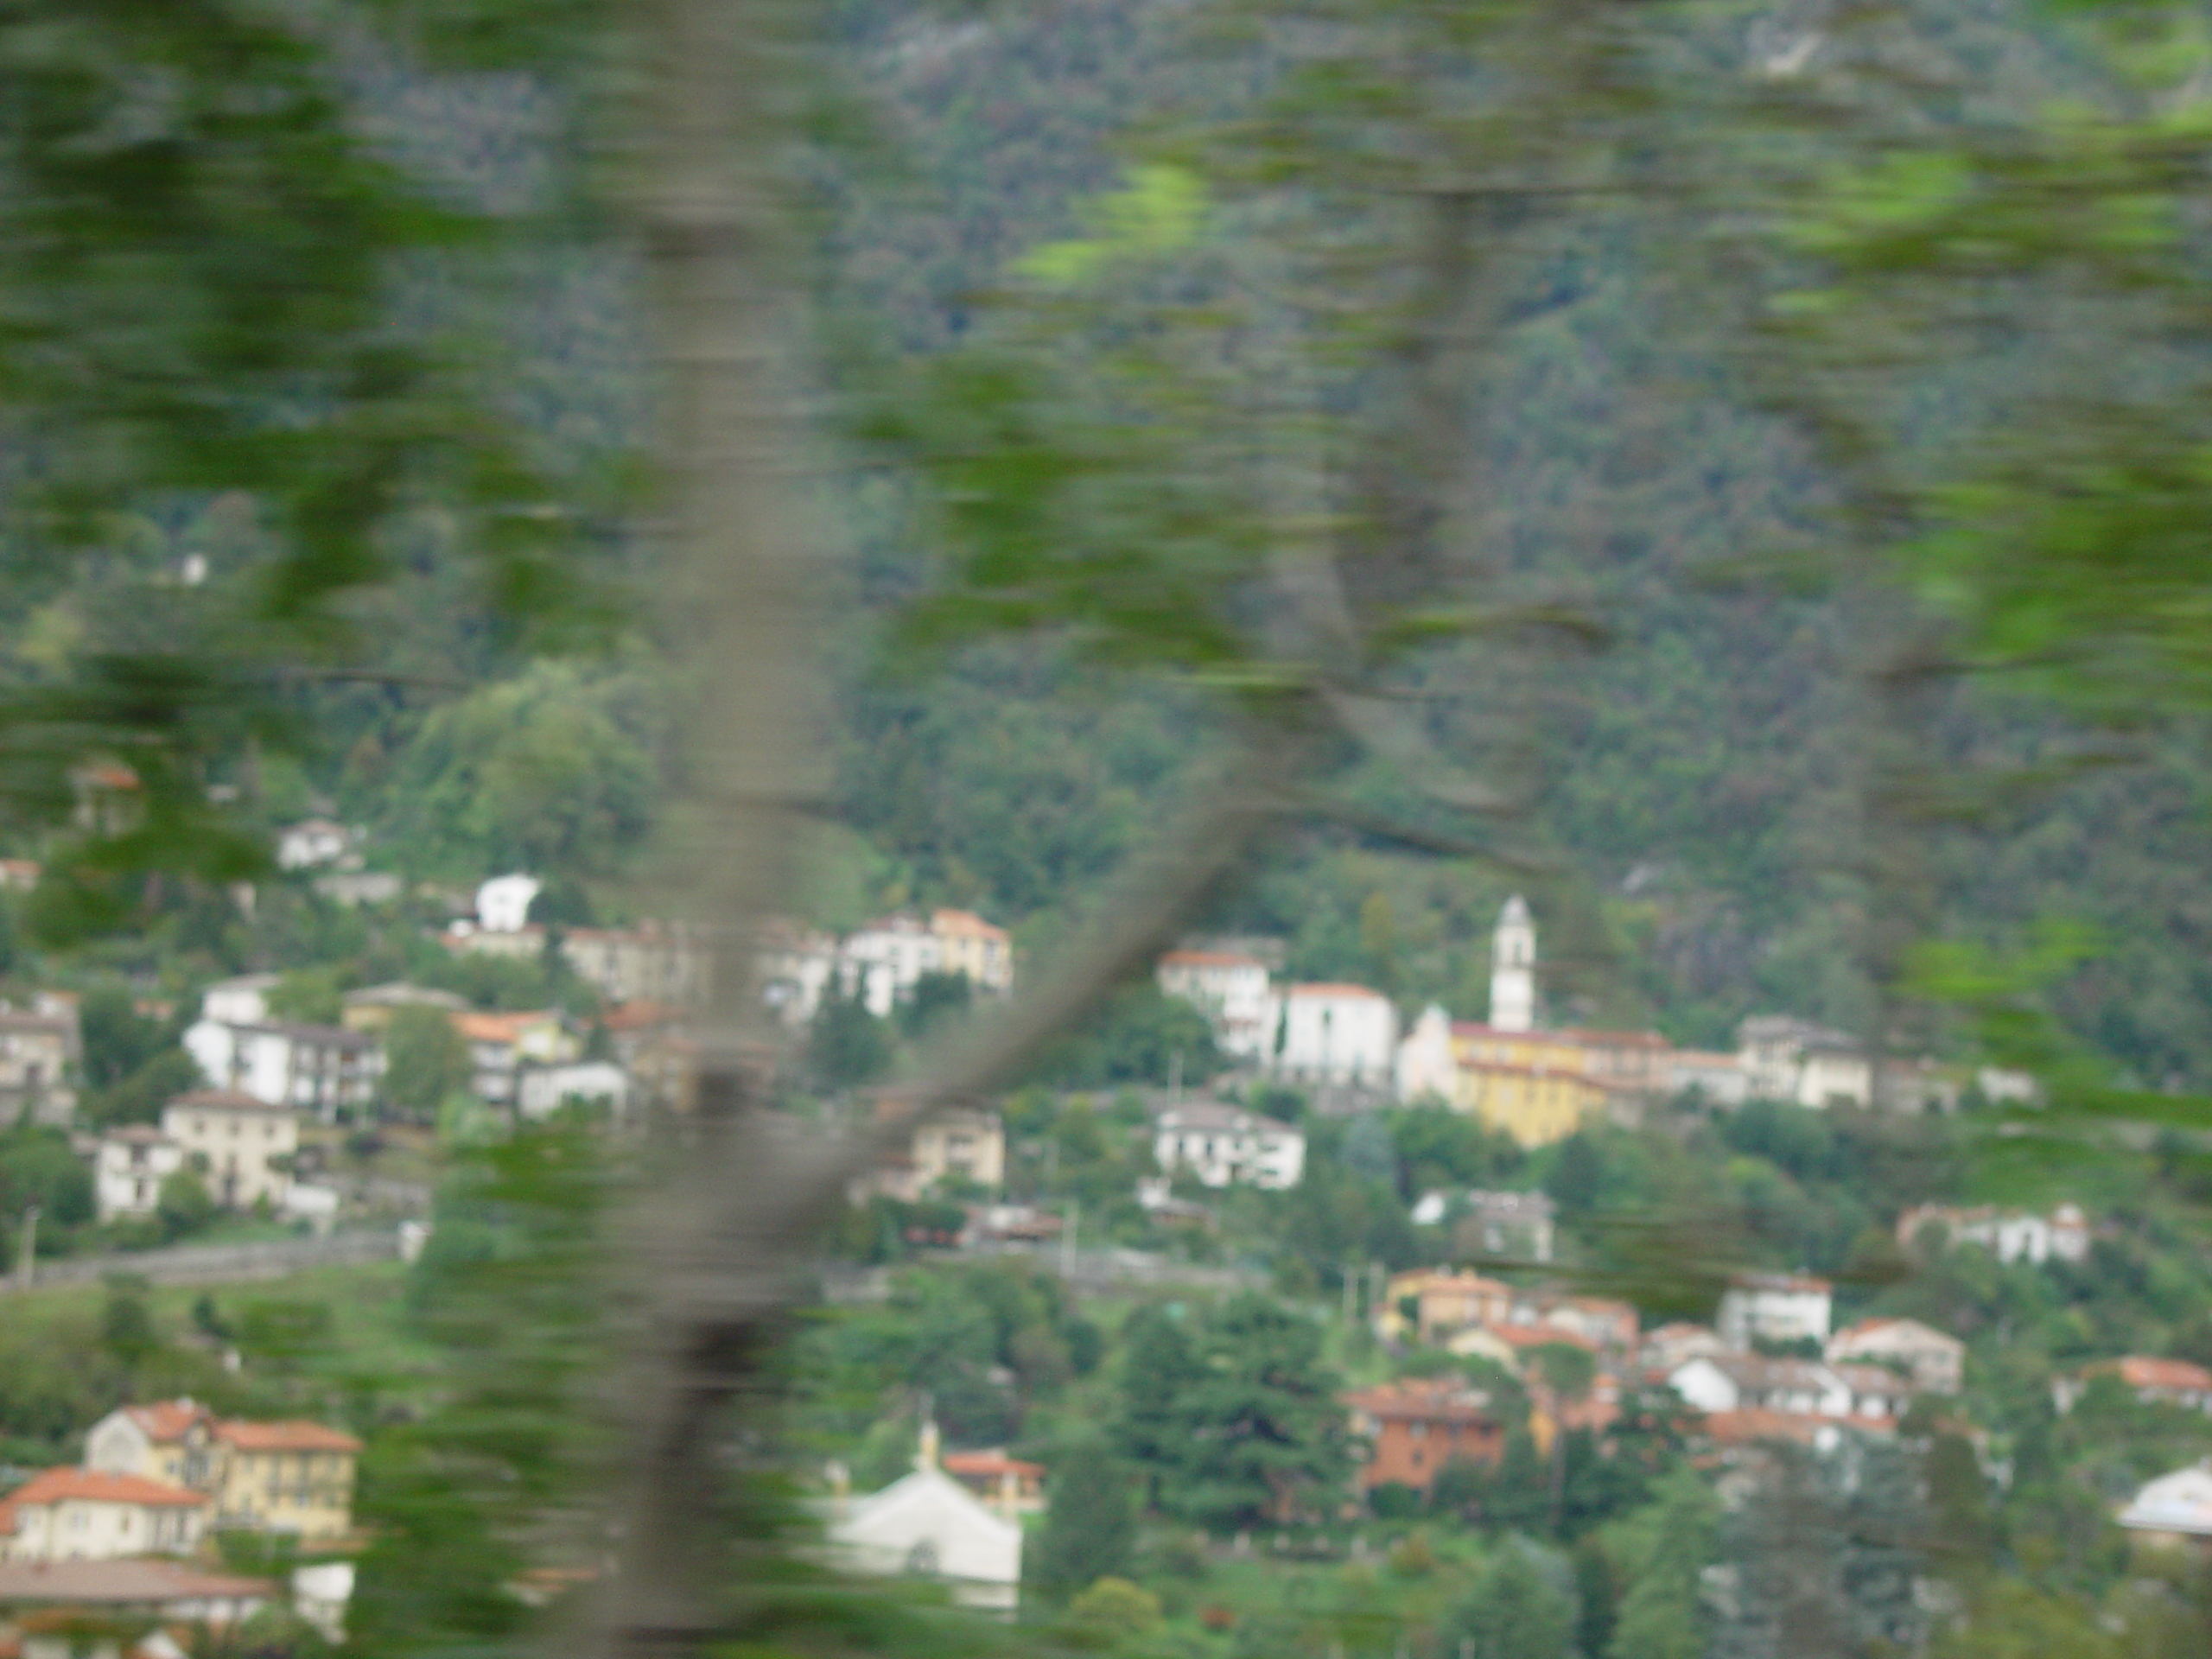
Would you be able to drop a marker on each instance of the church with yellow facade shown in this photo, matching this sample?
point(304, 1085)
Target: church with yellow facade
point(1539, 1086)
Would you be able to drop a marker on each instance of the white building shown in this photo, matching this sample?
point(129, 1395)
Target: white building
point(240, 1001)
point(2008, 1234)
point(245, 1144)
point(129, 1168)
point(1335, 1033)
point(1232, 990)
point(310, 844)
point(1753, 1382)
point(2174, 1510)
point(1226, 1146)
point(882, 962)
point(40, 1050)
point(1507, 1224)
point(930, 1526)
point(541, 1091)
point(1669, 1347)
point(1794, 1060)
point(1773, 1307)
point(1513, 968)
point(968, 944)
point(503, 903)
point(1719, 1077)
point(77, 1515)
point(325, 1069)
point(1935, 1362)
point(503, 1046)
point(1428, 1066)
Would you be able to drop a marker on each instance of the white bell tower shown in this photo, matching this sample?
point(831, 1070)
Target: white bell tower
point(1513, 970)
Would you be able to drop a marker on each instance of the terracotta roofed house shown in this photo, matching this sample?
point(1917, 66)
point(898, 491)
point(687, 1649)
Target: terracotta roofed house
point(164, 1590)
point(500, 1044)
point(2153, 1382)
point(969, 944)
point(63, 1514)
point(1413, 1428)
point(1935, 1362)
point(170, 1440)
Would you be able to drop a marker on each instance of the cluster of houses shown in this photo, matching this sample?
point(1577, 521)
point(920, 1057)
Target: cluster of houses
point(112, 1557)
point(1537, 1083)
point(882, 965)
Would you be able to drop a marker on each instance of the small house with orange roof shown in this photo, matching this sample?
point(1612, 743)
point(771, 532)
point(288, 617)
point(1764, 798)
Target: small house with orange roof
point(82, 1515)
point(2151, 1381)
point(500, 1044)
point(968, 944)
point(1413, 1429)
point(170, 1440)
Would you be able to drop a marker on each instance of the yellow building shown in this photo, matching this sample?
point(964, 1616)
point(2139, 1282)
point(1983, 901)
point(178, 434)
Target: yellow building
point(1535, 1104)
point(288, 1476)
point(1538, 1086)
point(282, 1477)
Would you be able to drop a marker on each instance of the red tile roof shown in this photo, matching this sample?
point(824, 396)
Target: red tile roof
point(293, 1436)
point(1209, 959)
point(1424, 1401)
point(89, 1486)
point(989, 1465)
point(225, 1100)
point(499, 1027)
point(2139, 1371)
point(166, 1421)
point(129, 1582)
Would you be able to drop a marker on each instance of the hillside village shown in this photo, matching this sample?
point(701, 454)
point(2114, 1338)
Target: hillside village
point(1483, 1350)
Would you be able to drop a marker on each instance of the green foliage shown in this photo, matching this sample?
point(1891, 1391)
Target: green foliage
point(935, 998)
point(1518, 1609)
point(425, 1060)
point(1090, 1530)
point(504, 1288)
point(283, 1333)
point(183, 1206)
point(310, 995)
point(1116, 1606)
point(38, 1167)
point(1142, 1035)
point(1660, 1554)
point(846, 1044)
point(553, 770)
point(1238, 1422)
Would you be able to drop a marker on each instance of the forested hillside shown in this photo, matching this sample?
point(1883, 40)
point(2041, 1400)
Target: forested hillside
point(1698, 777)
point(1692, 789)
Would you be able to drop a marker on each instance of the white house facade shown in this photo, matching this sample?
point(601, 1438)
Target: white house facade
point(929, 1525)
point(129, 1168)
point(244, 1144)
point(77, 1514)
point(1232, 990)
point(1335, 1033)
point(1934, 1361)
point(1228, 1146)
point(1775, 1307)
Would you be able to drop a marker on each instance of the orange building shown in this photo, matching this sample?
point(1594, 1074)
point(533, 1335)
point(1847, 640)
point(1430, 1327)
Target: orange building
point(1413, 1428)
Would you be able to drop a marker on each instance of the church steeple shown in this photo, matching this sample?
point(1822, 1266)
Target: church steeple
point(1513, 968)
